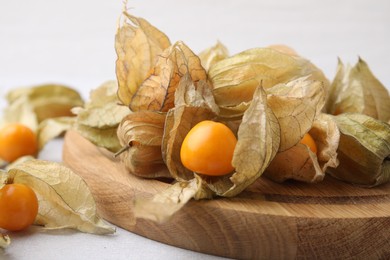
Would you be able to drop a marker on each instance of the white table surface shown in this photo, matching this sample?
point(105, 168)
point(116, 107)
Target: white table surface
point(72, 42)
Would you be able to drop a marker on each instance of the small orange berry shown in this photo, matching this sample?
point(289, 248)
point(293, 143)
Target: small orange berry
point(18, 206)
point(309, 141)
point(17, 140)
point(208, 149)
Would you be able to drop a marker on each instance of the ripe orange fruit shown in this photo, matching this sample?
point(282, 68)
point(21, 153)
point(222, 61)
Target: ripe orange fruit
point(17, 140)
point(309, 141)
point(18, 206)
point(208, 149)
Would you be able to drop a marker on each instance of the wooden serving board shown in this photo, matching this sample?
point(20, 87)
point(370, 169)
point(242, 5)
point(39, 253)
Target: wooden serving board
point(328, 220)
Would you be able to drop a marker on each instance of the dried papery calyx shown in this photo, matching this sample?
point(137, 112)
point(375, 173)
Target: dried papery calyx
point(212, 55)
point(157, 92)
point(300, 162)
point(194, 102)
point(47, 101)
point(137, 44)
point(283, 49)
point(99, 118)
point(65, 200)
point(258, 140)
point(327, 137)
point(356, 90)
point(33, 105)
point(140, 134)
point(295, 105)
point(5, 241)
point(363, 151)
point(236, 77)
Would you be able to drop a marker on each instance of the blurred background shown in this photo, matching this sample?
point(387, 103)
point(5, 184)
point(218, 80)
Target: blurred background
point(72, 42)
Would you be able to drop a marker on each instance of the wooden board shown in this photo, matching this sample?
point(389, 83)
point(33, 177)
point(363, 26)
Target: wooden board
point(329, 220)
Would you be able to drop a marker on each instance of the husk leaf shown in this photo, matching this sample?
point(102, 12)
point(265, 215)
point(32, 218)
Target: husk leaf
point(157, 92)
point(47, 101)
point(357, 90)
point(141, 134)
point(137, 44)
point(364, 150)
point(53, 127)
point(193, 104)
point(326, 135)
point(213, 54)
point(98, 120)
point(164, 205)
point(283, 49)
point(295, 105)
point(258, 142)
point(20, 111)
point(300, 163)
point(236, 78)
point(65, 200)
point(5, 241)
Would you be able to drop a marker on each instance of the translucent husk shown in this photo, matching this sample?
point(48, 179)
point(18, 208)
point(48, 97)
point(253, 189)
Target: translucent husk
point(212, 55)
point(364, 150)
point(300, 163)
point(356, 90)
point(269, 97)
point(99, 118)
point(45, 109)
point(140, 134)
point(295, 105)
point(48, 101)
point(236, 78)
point(137, 44)
point(65, 200)
point(32, 105)
point(258, 142)
point(157, 92)
point(5, 240)
point(194, 102)
point(162, 206)
point(283, 49)
point(51, 128)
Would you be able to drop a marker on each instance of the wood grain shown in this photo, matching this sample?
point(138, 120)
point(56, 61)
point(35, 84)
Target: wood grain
point(328, 220)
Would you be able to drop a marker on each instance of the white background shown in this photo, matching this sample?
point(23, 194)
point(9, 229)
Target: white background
point(72, 42)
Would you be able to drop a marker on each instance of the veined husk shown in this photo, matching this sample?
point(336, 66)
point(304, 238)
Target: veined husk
point(157, 92)
point(137, 44)
point(32, 105)
point(357, 90)
point(65, 201)
point(141, 133)
point(364, 150)
point(212, 55)
point(284, 49)
point(258, 142)
point(236, 78)
point(5, 241)
point(194, 103)
point(300, 163)
point(49, 100)
point(99, 118)
point(295, 104)
point(45, 109)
